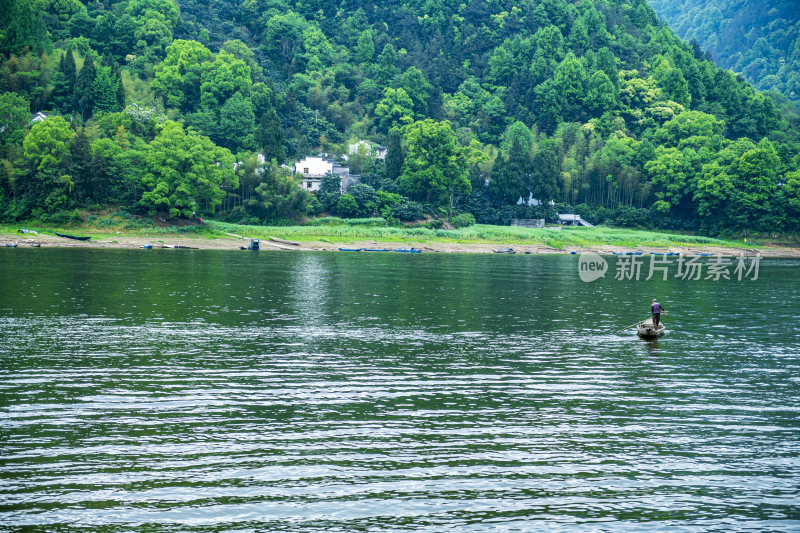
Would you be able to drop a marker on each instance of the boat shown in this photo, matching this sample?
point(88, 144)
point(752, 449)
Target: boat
point(75, 237)
point(408, 250)
point(505, 251)
point(350, 249)
point(703, 254)
point(147, 246)
point(646, 330)
point(283, 241)
point(377, 249)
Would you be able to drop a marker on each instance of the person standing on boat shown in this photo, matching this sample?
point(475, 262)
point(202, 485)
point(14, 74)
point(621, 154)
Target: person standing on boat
point(656, 308)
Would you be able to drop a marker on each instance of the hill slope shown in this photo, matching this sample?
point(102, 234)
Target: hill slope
point(482, 104)
point(759, 39)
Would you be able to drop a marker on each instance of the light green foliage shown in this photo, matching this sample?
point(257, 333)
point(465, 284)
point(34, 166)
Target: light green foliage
point(689, 124)
point(46, 141)
point(365, 49)
point(155, 22)
point(395, 109)
point(672, 82)
point(222, 78)
point(668, 173)
point(185, 172)
point(520, 133)
point(182, 68)
point(104, 90)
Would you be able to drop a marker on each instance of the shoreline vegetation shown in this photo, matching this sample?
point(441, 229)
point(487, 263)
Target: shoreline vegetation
point(214, 235)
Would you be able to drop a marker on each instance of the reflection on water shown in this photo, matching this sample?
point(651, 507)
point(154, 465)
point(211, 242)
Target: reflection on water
point(216, 391)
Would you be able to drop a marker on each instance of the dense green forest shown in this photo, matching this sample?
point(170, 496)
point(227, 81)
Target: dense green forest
point(760, 40)
point(596, 107)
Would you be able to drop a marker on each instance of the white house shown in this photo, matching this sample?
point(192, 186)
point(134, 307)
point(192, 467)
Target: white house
point(368, 148)
point(38, 117)
point(314, 168)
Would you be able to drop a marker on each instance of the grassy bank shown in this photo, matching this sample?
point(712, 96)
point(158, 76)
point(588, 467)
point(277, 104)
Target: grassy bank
point(113, 228)
point(559, 238)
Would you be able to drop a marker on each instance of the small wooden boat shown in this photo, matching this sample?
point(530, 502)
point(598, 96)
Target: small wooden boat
point(408, 250)
point(350, 249)
point(283, 241)
point(505, 251)
point(377, 249)
point(646, 330)
point(75, 237)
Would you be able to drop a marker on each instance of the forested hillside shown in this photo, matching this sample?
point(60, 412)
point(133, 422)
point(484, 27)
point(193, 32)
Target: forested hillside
point(161, 107)
point(761, 40)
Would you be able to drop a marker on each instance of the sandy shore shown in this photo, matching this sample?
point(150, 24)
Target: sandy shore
point(233, 243)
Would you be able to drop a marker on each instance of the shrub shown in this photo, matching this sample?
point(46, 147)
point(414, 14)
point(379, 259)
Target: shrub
point(407, 211)
point(463, 220)
point(347, 206)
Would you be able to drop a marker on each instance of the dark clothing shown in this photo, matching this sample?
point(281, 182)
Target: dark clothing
point(656, 309)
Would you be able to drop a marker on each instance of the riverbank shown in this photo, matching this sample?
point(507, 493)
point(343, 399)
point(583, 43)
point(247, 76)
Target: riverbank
point(476, 239)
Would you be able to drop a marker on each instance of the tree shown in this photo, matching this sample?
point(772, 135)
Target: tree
point(754, 185)
point(365, 197)
point(44, 148)
point(413, 82)
point(394, 155)
point(269, 137)
point(185, 172)
point(78, 163)
point(64, 82)
point(545, 173)
point(347, 206)
point(83, 99)
point(222, 78)
point(511, 178)
point(395, 109)
point(689, 124)
point(279, 196)
point(668, 173)
point(105, 89)
point(330, 189)
point(570, 78)
point(237, 124)
point(178, 77)
point(14, 116)
point(601, 95)
point(436, 167)
point(365, 48)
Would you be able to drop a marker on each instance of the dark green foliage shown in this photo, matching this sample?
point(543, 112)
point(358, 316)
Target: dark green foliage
point(394, 155)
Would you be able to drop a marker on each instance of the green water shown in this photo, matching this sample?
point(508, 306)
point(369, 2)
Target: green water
point(181, 390)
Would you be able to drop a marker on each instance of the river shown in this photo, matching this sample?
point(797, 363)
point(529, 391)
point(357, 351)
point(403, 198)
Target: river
point(183, 390)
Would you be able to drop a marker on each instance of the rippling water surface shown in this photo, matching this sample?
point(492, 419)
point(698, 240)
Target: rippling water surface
point(207, 391)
